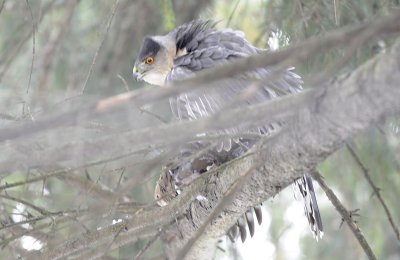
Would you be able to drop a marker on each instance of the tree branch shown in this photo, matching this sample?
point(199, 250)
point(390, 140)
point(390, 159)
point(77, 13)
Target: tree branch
point(346, 216)
point(336, 112)
point(364, 170)
point(287, 57)
point(348, 106)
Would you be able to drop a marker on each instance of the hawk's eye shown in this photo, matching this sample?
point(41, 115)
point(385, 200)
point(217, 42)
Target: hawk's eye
point(149, 60)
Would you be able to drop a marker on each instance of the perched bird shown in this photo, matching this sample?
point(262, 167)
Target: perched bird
point(196, 46)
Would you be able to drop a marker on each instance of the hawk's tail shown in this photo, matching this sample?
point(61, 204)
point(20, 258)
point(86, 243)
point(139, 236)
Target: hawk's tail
point(311, 209)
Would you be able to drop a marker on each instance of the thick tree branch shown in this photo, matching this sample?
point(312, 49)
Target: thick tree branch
point(287, 57)
point(335, 113)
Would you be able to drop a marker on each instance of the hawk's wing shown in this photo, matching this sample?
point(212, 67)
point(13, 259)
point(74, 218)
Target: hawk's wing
point(209, 49)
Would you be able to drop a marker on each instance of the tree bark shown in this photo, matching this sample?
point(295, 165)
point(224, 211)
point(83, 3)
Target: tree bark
point(338, 111)
point(327, 116)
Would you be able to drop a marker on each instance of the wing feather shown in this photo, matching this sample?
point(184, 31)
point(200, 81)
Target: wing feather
point(207, 49)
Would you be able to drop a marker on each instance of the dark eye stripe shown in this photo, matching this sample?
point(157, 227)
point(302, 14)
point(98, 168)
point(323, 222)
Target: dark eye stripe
point(149, 48)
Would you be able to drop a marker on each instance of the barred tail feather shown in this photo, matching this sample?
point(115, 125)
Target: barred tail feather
point(311, 209)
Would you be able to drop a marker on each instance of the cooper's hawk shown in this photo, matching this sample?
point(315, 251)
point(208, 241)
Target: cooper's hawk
point(193, 47)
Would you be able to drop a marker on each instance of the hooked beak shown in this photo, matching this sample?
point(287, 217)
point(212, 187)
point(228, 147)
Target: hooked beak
point(135, 73)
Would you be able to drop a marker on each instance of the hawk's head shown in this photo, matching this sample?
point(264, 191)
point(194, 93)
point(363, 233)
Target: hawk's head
point(155, 59)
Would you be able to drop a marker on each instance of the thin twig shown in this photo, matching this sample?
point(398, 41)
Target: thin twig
point(107, 247)
point(26, 232)
point(43, 217)
point(123, 82)
point(232, 13)
point(89, 187)
point(52, 46)
point(61, 172)
point(33, 44)
point(139, 226)
point(4, 116)
point(364, 170)
point(10, 55)
point(303, 17)
point(345, 215)
point(26, 203)
point(147, 246)
point(2, 6)
point(335, 12)
point(162, 120)
point(114, 9)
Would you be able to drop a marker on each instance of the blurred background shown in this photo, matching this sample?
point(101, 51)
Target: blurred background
point(52, 52)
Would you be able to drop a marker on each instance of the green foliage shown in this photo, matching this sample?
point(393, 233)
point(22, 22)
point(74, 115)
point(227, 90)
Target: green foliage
point(168, 15)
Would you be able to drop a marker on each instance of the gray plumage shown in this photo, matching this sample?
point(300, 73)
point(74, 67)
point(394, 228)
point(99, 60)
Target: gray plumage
point(197, 46)
point(209, 48)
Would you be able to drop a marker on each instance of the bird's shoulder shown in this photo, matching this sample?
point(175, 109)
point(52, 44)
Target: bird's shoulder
point(205, 47)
